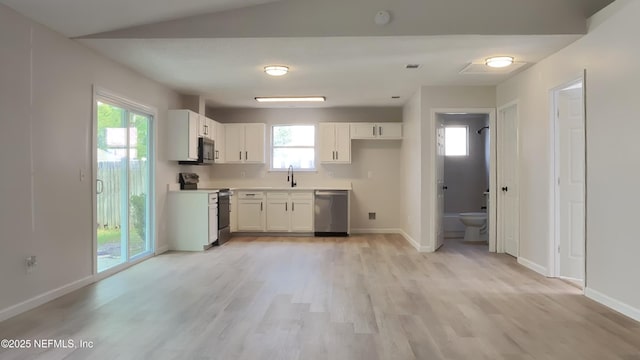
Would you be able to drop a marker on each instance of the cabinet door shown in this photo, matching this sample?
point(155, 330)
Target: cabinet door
point(278, 214)
point(343, 144)
point(390, 131)
point(234, 143)
point(208, 128)
point(202, 125)
point(193, 124)
point(363, 131)
point(327, 143)
point(254, 143)
point(301, 215)
point(250, 215)
point(218, 138)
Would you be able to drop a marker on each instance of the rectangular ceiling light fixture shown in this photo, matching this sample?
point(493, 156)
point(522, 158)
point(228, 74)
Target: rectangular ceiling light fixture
point(291, 99)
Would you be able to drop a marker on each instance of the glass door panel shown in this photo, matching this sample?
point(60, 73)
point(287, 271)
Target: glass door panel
point(139, 200)
point(111, 185)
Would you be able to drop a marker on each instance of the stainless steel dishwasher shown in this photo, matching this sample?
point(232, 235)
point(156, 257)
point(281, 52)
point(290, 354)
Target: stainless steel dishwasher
point(331, 213)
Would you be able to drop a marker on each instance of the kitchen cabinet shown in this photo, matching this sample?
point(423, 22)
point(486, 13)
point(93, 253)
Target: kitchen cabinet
point(335, 143)
point(205, 127)
point(183, 125)
point(289, 211)
point(192, 221)
point(382, 131)
point(244, 143)
point(251, 211)
point(218, 138)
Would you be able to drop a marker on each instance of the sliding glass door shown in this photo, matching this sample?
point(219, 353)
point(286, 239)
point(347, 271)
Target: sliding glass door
point(123, 183)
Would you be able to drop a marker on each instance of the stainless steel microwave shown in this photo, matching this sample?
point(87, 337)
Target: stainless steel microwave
point(206, 153)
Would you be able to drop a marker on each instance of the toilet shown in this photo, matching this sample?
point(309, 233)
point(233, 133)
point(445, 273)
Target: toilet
point(473, 222)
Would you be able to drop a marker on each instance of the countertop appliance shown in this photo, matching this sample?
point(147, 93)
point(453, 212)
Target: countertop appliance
point(188, 181)
point(331, 216)
point(206, 153)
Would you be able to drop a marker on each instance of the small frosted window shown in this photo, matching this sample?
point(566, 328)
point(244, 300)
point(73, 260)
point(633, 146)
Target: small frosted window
point(456, 141)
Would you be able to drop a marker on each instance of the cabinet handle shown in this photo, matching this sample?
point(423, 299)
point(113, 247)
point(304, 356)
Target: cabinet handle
point(240, 155)
point(286, 206)
point(374, 130)
point(206, 129)
point(260, 205)
point(246, 155)
point(380, 130)
point(293, 206)
point(337, 155)
point(217, 155)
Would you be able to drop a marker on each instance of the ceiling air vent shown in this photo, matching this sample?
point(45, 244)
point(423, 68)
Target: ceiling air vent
point(412, 66)
point(481, 68)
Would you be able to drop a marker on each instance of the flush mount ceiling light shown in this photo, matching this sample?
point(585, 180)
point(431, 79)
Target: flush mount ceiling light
point(276, 70)
point(499, 61)
point(291, 99)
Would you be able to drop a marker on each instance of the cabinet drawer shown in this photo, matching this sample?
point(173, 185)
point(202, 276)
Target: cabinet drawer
point(250, 194)
point(277, 195)
point(302, 195)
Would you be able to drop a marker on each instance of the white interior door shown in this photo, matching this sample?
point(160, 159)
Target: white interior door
point(570, 157)
point(440, 185)
point(508, 202)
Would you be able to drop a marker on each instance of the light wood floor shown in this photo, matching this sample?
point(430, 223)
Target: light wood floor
point(364, 297)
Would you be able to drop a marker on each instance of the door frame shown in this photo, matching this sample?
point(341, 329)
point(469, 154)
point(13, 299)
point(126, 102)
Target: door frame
point(97, 92)
point(500, 240)
point(491, 112)
point(554, 243)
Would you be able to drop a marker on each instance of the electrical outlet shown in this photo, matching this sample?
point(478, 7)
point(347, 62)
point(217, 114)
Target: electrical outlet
point(30, 263)
point(83, 175)
point(372, 216)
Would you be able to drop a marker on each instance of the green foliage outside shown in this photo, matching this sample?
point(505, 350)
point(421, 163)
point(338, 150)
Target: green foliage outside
point(110, 116)
point(282, 136)
point(139, 214)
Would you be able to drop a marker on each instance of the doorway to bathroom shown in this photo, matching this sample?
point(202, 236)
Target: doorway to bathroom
point(464, 174)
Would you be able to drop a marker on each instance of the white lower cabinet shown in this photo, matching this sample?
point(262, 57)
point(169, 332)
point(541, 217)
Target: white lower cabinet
point(251, 211)
point(193, 220)
point(290, 211)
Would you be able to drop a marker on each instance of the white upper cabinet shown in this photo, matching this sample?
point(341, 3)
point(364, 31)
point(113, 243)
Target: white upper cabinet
point(385, 131)
point(244, 143)
point(183, 127)
point(335, 143)
point(219, 140)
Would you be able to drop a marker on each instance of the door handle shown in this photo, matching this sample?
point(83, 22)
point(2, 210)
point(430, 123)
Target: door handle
point(445, 187)
point(101, 183)
point(505, 188)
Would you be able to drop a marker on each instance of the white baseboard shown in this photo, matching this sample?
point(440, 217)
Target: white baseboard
point(376, 231)
point(612, 303)
point(414, 243)
point(532, 266)
point(162, 249)
point(44, 298)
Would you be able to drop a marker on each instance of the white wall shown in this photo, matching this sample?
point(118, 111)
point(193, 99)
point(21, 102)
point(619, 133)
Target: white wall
point(609, 52)
point(412, 170)
point(379, 193)
point(466, 176)
point(433, 98)
point(46, 113)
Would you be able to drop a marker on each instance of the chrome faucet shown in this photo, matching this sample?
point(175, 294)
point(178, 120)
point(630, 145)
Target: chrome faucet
point(290, 177)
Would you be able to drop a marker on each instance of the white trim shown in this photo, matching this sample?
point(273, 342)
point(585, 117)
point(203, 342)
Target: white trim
point(414, 243)
point(38, 300)
point(377, 231)
point(491, 112)
point(161, 249)
point(612, 303)
point(532, 266)
point(500, 241)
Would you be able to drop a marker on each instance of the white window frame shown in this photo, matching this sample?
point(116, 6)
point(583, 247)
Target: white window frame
point(314, 147)
point(466, 140)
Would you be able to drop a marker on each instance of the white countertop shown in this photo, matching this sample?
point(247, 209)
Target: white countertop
point(213, 187)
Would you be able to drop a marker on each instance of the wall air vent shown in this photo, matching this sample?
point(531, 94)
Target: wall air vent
point(482, 68)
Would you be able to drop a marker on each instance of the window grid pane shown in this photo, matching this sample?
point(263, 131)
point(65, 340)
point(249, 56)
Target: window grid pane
point(293, 145)
point(456, 141)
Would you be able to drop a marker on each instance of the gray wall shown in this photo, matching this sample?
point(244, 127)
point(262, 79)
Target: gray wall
point(377, 193)
point(467, 177)
point(46, 140)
